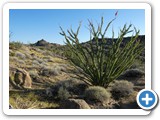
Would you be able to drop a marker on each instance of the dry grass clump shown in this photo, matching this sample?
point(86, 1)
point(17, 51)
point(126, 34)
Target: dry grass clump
point(49, 71)
point(121, 89)
point(35, 63)
point(13, 59)
point(63, 93)
point(29, 101)
point(39, 60)
point(58, 60)
point(49, 59)
point(61, 68)
point(28, 56)
point(43, 64)
point(97, 93)
point(39, 50)
point(16, 60)
point(20, 62)
point(48, 53)
point(72, 86)
point(24, 101)
point(11, 53)
point(33, 74)
point(20, 55)
point(20, 104)
point(15, 45)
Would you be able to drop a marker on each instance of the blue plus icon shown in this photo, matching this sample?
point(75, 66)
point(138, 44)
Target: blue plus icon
point(147, 99)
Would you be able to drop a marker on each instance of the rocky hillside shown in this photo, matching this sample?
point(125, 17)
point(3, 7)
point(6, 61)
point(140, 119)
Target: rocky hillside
point(41, 77)
point(125, 40)
point(109, 42)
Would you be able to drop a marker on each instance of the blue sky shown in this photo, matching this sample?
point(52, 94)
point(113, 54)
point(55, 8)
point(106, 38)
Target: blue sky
point(30, 25)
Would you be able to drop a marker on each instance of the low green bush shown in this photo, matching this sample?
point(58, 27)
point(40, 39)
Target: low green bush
point(48, 71)
point(63, 94)
point(121, 88)
point(73, 86)
point(33, 74)
point(97, 93)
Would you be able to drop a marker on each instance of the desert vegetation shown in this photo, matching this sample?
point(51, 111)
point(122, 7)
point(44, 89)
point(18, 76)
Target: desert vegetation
point(101, 73)
point(98, 67)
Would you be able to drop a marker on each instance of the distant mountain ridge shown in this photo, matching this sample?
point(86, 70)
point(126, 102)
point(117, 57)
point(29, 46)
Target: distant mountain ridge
point(125, 40)
point(109, 42)
point(44, 43)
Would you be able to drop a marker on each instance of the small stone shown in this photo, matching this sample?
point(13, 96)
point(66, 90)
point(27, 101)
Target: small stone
point(75, 104)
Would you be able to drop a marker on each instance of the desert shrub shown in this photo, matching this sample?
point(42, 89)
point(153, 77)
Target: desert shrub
point(64, 65)
point(48, 59)
point(121, 89)
point(20, 55)
point(132, 73)
point(33, 74)
point(35, 63)
point(97, 93)
point(25, 100)
point(39, 60)
point(28, 56)
point(48, 71)
point(73, 86)
point(98, 67)
point(20, 61)
point(63, 94)
point(58, 60)
point(11, 53)
point(54, 71)
point(25, 104)
point(15, 45)
point(136, 64)
point(16, 60)
point(61, 68)
point(68, 83)
point(39, 50)
point(43, 64)
point(48, 53)
point(13, 59)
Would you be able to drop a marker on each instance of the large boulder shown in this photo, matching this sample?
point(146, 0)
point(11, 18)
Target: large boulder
point(74, 104)
point(22, 78)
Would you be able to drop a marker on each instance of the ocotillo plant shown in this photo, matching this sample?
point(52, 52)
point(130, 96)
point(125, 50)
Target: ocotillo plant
point(100, 66)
